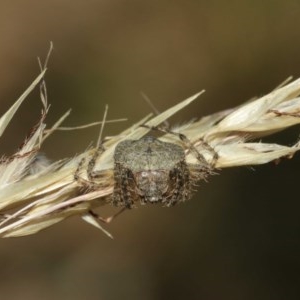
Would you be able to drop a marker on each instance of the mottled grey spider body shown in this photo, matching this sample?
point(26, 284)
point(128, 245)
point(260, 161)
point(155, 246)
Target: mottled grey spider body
point(152, 171)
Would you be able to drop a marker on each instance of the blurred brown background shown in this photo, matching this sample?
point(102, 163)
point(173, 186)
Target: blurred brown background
point(239, 236)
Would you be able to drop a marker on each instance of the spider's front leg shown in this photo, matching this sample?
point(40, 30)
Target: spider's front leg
point(124, 184)
point(181, 187)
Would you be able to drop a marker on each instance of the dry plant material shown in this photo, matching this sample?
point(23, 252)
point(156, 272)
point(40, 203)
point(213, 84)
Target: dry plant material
point(36, 197)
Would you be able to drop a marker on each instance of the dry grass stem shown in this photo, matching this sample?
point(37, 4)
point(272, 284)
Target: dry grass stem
point(34, 200)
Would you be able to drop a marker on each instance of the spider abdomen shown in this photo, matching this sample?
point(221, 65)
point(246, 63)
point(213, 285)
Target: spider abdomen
point(151, 171)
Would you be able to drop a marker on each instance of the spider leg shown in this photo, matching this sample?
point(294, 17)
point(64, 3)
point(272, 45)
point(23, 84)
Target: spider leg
point(208, 147)
point(109, 219)
point(122, 195)
point(92, 162)
point(181, 189)
point(91, 174)
point(77, 177)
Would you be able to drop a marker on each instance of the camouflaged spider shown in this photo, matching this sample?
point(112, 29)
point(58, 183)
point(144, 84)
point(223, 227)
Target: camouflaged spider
point(153, 171)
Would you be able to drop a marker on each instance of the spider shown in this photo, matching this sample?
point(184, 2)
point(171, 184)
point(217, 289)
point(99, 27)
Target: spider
point(154, 171)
